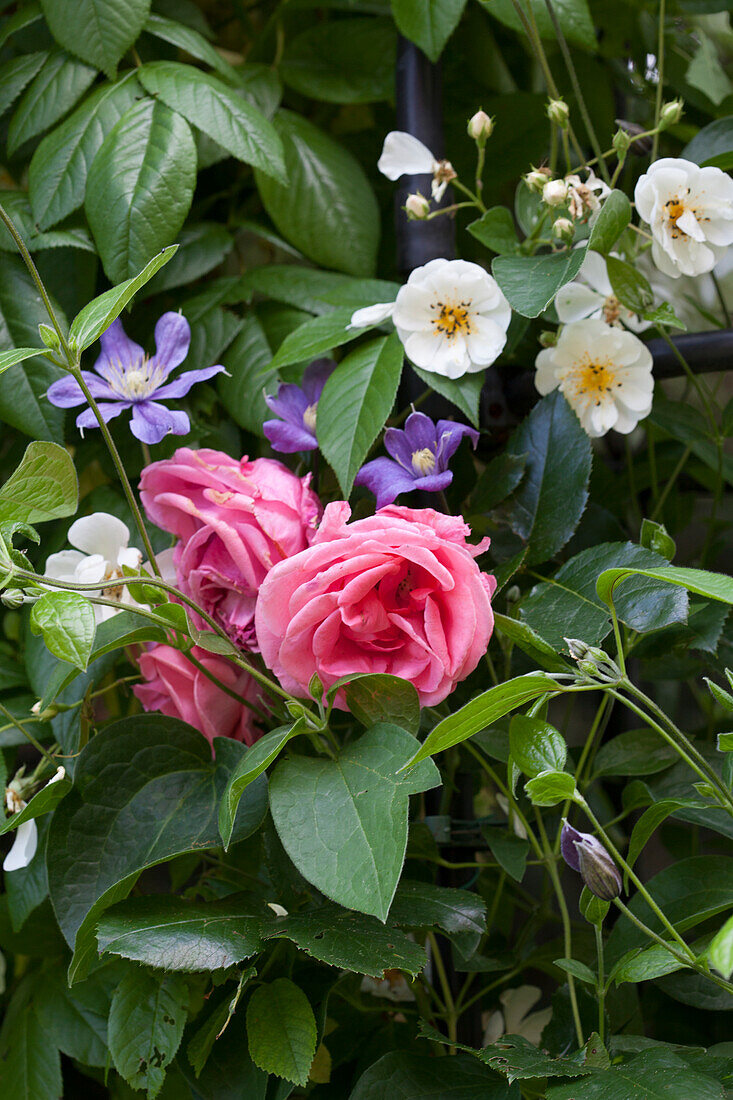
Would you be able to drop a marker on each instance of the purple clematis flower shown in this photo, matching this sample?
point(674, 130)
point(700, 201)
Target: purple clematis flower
point(296, 408)
point(126, 378)
point(420, 455)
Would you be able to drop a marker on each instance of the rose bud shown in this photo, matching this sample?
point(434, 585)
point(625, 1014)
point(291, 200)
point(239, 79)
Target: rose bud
point(417, 207)
point(480, 127)
point(555, 192)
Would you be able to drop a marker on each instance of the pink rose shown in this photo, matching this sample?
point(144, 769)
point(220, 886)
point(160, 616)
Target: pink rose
point(398, 592)
point(235, 520)
point(174, 686)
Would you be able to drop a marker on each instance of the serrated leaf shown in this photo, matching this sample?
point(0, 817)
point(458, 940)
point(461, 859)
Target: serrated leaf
point(57, 175)
point(190, 41)
point(201, 247)
point(140, 187)
point(530, 283)
point(351, 941)
point(327, 209)
point(642, 1079)
point(66, 621)
point(281, 1030)
point(129, 782)
point(629, 285)
point(97, 31)
point(54, 91)
point(146, 1022)
point(172, 933)
point(242, 389)
point(355, 403)
point(219, 112)
point(716, 586)
point(200, 1046)
point(98, 315)
point(645, 966)
point(379, 697)
point(550, 787)
point(312, 290)
point(574, 17)
point(30, 1066)
point(551, 498)
point(350, 841)
point(519, 1060)
point(15, 74)
point(349, 61)
point(422, 905)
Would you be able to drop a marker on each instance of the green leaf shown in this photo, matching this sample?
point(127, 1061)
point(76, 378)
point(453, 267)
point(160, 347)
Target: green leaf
point(404, 1075)
point(716, 586)
point(500, 477)
point(23, 17)
point(355, 403)
point(645, 966)
point(242, 389)
point(688, 892)
point(152, 792)
point(547, 506)
point(98, 315)
point(351, 941)
point(464, 393)
point(15, 74)
point(519, 1060)
point(201, 1043)
point(43, 487)
point(550, 787)
point(348, 61)
point(219, 112)
point(614, 216)
point(43, 802)
point(714, 140)
point(648, 823)
point(689, 426)
point(171, 933)
point(350, 840)
point(638, 752)
point(574, 17)
point(191, 42)
point(593, 908)
point(720, 951)
point(97, 31)
point(578, 969)
point(228, 1070)
point(140, 187)
point(428, 23)
point(23, 403)
point(53, 92)
point(495, 229)
point(75, 1020)
point(281, 1030)
point(509, 851)
point(255, 761)
point(201, 247)
point(312, 290)
point(536, 746)
point(379, 697)
point(146, 1022)
point(30, 1067)
point(567, 605)
point(327, 209)
point(629, 285)
point(654, 536)
point(530, 642)
point(706, 73)
point(422, 905)
point(642, 1079)
point(484, 710)
point(530, 283)
point(314, 337)
point(66, 621)
point(57, 175)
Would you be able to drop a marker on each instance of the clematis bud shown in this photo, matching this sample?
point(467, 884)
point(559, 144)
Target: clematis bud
point(671, 113)
point(480, 127)
point(562, 228)
point(558, 112)
point(537, 178)
point(555, 193)
point(417, 207)
point(592, 660)
point(585, 854)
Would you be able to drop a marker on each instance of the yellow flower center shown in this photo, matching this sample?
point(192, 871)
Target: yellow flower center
point(592, 379)
point(452, 319)
point(423, 461)
point(674, 209)
point(309, 417)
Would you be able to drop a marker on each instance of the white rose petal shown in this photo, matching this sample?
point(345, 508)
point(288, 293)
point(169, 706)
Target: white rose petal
point(371, 315)
point(405, 155)
point(24, 846)
point(591, 296)
point(604, 372)
point(690, 213)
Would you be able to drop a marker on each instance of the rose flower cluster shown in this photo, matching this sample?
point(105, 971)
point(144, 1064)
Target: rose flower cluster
point(398, 592)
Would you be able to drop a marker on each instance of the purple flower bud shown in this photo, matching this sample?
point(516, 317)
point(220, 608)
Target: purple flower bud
point(585, 854)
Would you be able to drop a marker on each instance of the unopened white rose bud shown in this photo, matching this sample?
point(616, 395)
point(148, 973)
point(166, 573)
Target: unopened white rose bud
point(671, 113)
point(537, 178)
point(548, 339)
point(559, 113)
point(562, 228)
point(417, 207)
point(480, 127)
point(555, 192)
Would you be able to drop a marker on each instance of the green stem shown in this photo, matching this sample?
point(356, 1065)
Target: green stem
point(670, 482)
point(13, 721)
point(451, 1017)
point(692, 378)
point(601, 987)
point(660, 81)
point(604, 709)
point(721, 299)
point(620, 659)
point(33, 270)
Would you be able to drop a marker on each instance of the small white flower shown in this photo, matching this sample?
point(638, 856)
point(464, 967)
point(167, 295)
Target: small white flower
point(604, 372)
point(515, 1018)
point(690, 213)
point(584, 198)
point(417, 206)
point(405, 155)
point(591, 296)
point(555, 193)
point(452, 318)
point(101, 542)
point(24, 845)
